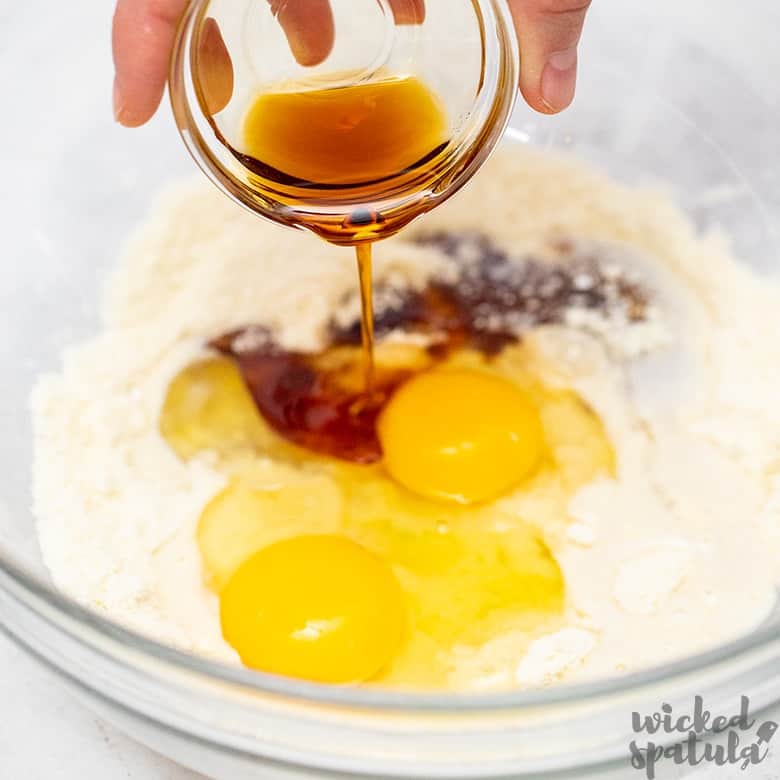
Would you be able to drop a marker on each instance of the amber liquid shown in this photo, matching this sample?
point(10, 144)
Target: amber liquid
point(365, 273)
point(350, 139)
point(362, 134)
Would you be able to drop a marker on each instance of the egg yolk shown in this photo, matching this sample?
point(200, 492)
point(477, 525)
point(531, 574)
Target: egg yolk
point(320, 608)
point(460, 435)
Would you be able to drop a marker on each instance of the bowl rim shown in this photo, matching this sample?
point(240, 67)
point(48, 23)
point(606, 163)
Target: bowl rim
point(40, 597)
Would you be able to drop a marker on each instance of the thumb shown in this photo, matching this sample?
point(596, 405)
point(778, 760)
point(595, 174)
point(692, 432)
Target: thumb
point(549, 31)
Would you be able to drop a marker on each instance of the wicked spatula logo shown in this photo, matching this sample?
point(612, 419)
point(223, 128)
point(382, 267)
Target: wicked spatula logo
point(741, 743)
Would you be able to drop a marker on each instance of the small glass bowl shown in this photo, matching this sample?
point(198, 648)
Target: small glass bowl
point(465, 52)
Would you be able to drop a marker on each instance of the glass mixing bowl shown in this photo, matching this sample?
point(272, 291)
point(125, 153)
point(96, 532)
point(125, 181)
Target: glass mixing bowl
point(669, 91)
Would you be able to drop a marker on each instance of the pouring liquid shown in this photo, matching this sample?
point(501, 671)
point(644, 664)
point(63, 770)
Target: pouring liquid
point(355, 138)
point(365, 273)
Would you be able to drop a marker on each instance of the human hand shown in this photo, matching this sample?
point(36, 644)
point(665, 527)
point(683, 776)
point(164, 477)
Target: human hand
point(144, 30)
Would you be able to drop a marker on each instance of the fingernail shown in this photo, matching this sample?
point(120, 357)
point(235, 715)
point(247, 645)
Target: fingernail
point(559, 79)
point(119, 109)
point(215, 68)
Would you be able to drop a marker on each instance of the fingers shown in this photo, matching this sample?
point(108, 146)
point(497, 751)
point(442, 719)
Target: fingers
point(144, 30)
point(309, 27)
point(549, 31)
point(215, 68)
point(143, 35)
point(408, 11)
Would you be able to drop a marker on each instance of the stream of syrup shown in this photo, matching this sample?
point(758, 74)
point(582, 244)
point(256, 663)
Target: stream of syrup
point(352, 139)
point(365, 273)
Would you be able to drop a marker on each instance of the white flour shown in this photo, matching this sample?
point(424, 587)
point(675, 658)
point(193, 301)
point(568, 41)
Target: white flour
point(677, 554)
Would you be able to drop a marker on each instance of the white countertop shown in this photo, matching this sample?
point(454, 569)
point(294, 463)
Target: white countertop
point(46, 734)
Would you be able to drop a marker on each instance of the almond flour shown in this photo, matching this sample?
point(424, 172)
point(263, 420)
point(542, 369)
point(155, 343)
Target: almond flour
point(678, 553)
